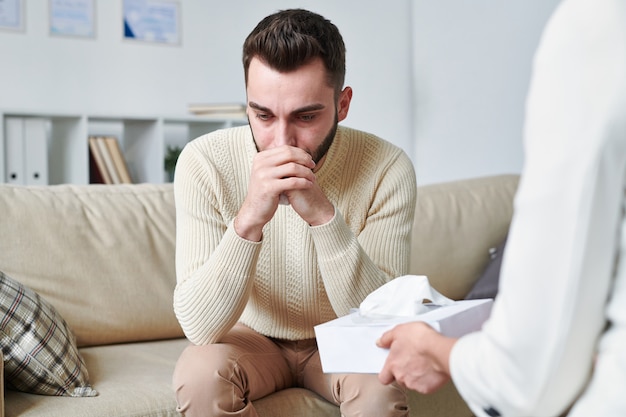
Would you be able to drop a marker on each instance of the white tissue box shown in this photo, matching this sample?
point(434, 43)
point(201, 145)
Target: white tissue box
point(348, 344)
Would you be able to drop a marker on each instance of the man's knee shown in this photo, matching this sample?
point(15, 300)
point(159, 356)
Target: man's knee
point(198, 365)
point(364, 395)
point(202, 376)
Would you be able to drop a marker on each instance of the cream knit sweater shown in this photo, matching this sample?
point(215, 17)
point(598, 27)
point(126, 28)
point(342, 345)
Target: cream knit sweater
point(298, 276)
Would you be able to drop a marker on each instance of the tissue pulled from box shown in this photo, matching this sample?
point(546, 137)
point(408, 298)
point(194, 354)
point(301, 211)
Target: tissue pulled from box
point(404, 296)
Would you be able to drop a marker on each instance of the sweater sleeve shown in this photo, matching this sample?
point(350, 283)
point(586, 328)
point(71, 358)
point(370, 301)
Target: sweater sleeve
point(535, 353)
point(214, 265)
point(353, 264)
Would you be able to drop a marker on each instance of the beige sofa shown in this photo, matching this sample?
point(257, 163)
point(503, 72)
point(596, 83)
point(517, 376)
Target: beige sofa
point(104, 257)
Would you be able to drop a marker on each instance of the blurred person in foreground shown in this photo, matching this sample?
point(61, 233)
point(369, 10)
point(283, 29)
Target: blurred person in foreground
point(557, 333)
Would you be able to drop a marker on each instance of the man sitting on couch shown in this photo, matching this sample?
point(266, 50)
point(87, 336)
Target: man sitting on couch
point(283, 225)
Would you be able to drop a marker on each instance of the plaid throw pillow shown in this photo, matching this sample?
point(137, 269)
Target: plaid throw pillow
point(40, 353)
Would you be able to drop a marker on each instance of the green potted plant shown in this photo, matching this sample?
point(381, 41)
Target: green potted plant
point(171, 156)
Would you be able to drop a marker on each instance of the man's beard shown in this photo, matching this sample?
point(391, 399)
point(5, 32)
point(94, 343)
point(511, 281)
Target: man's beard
point(321, 151)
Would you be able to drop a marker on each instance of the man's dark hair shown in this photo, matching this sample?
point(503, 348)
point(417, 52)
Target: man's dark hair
point(288, 39)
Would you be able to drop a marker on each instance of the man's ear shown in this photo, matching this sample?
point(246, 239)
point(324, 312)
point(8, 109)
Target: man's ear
point(343, 104)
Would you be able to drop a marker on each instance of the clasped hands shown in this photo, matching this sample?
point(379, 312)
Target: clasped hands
point(288, 171)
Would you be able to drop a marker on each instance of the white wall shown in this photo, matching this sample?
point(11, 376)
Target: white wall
point(472, 66)
point(108, 75)
point(446, 80)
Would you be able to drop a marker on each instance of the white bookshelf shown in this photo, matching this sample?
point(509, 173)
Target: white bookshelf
point(143, 141)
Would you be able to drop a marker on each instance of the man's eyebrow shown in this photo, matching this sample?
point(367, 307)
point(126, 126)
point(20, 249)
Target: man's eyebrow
point(256, 106)
point(310, 107)
point(304, 109)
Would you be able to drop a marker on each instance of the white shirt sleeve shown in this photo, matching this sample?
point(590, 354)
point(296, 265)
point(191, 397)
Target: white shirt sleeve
point(534, 355)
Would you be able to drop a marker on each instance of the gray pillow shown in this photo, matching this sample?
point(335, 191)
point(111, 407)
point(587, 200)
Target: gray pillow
point(39, 349)
point(487, 285)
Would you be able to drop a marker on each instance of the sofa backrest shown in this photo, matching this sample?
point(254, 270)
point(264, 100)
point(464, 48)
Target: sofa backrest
point(455, 225)
point(103, 255)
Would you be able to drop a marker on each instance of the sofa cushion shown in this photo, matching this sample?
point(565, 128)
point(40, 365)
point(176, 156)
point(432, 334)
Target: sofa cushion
point(103, 255)
point(133, 380)
point(40, 353)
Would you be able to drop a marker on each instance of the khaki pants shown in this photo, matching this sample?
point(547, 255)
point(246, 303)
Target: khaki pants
point(223, 379)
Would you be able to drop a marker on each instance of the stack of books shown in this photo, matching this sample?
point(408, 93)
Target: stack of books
point(107, 164)
point(219, 111)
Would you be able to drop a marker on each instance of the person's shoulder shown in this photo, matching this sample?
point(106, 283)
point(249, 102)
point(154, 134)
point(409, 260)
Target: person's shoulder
point(370, 156)
point(369, 147)
point(360, 138)
point(373, 153)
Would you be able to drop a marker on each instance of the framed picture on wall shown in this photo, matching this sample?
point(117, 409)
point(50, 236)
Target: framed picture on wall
point(12, 15)
point(72, 18)
point(156, 21)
